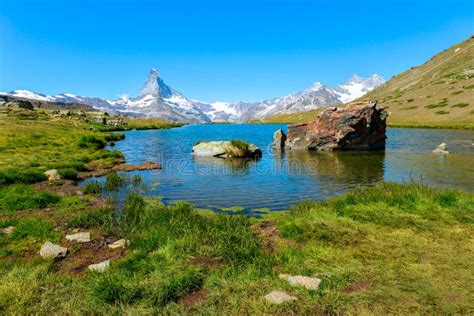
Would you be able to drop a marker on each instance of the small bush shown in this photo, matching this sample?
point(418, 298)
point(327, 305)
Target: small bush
point(134, 210)
point(460, 105)
point(95, 218)
point(20, 197)
point(441, 112)
point(93, 187)
point(91, 141)
point(114, 181)
point(441, 103)
point(25, 177)
point(457, 92)
point(69, 173)
point(240, 144)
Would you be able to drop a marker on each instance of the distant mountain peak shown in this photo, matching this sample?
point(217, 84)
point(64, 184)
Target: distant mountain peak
point(155, 86)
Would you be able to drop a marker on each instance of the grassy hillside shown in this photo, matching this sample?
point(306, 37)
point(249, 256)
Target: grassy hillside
point(391, 249)
point(439, 93)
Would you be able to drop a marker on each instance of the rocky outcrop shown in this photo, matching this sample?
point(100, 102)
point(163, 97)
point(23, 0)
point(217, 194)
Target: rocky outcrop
point(121, 243)
point(226, 149)
point(279, 139)
point(99, 267)
point(357, 126)
point(53, 175)
point(52, 251)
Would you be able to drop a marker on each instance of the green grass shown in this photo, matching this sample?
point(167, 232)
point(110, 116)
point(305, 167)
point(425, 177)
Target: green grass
point(21, 196)
point(240, 144)
point(391, 249)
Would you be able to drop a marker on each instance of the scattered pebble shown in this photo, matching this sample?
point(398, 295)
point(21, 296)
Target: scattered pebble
point(50, 250)
point(303, 281)
point(52, 175)
point(279, 297)
point(79, 237)
point(7, 230)
point(118, 244)
point(99, 267)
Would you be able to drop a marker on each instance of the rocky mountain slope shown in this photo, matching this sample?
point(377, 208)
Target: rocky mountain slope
point(439, 92)
point(315, 97)
point(157, 99)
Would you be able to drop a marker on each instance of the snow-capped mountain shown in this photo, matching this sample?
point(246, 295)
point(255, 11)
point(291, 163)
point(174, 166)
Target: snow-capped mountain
point(314, 97)
point(157, 99)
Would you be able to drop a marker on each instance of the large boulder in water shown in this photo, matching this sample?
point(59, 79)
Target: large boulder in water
point(226, 149)
point(357, 126)
point(279, 139)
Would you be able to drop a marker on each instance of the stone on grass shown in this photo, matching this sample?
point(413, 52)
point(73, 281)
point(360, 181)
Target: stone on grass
point(79, 237)
point(302, 281)
point(121, 243)
point(7, 230)
point(279, 297)
point(441, 149)
point(52, 251)
point(52, 175)
point(99, 267)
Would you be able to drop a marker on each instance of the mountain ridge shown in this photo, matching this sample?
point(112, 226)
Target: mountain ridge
point(158, 99)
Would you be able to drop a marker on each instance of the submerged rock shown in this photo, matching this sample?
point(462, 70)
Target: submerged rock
point(279, 297)
point(441, 149)
point(79, 237)
point(53, 175)
point(303, 281)
point(52, 251)
point(226, 149)
point(356, 126)
point(99, 267)
point(279, 139)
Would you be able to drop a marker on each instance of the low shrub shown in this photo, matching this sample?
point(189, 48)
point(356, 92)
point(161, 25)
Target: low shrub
point(93, 187)
point(68, 173)
point(91, 141)
point(21, 196)
point(25, 177)
point(114, 181)
point(95, 218)
point(460, 105)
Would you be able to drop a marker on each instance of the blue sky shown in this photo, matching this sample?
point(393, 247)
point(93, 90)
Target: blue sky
point(223, 50)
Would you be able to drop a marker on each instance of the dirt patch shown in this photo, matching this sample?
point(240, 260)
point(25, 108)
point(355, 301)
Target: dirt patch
point(193, 298)
point(83, 254)
point(270, 234)
point(63, 188)
point(205, 261)
point(357, 286)
point(99, 172)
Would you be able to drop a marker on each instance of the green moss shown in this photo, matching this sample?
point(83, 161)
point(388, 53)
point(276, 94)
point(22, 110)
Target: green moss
point(240, 144)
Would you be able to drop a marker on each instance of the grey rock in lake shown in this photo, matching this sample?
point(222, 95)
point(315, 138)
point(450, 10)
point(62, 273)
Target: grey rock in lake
point(52, 175)
point(79, 237)
point(52, 251)
point(302, 281)
point(279, 297)
point(99, 267)
point(225, 149)
point(441, 149)
point(279, 139)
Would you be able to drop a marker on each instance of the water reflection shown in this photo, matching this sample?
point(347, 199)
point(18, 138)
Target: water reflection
point(222, 166)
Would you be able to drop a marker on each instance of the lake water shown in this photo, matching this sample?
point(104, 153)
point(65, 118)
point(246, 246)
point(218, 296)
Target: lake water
point(278, 180)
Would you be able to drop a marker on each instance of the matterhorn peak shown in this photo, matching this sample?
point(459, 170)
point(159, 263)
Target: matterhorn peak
point(155, 86)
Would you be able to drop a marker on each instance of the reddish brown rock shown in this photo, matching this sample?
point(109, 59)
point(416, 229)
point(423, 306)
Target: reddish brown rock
point(357, 126)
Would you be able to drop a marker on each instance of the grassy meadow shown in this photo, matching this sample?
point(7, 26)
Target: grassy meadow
point(391, 249)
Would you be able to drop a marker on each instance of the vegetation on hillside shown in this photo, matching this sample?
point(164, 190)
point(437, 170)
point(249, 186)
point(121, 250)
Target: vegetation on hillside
point(437, 94)
point(391, 249)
